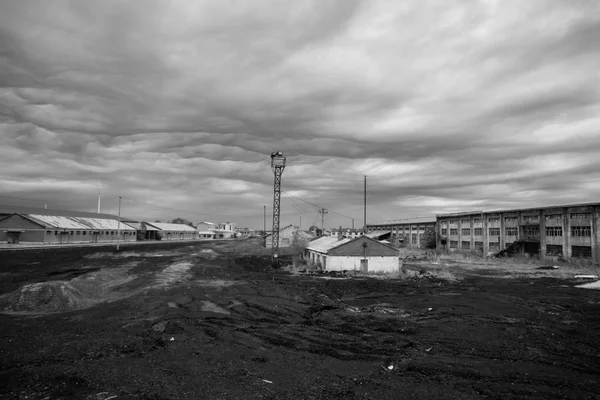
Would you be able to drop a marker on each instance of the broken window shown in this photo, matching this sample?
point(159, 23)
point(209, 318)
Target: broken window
point(494, 231)
point(554, 250)
point(465, 245)
point(444, 231)
point(465, 231)
point(581, 231)
point(478, 245)
point(478, 231)
point(512, 231)
point(581, 215)
point(531, 231)
point(453, 244)
point(453, 232)
point(494, 219)
point(554, 231)
point(581, 251)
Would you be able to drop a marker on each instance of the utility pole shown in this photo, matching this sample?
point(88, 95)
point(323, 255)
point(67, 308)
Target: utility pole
point(119, 225)
point(301, 222)
point(365, 207)
point(265, 221)
point(277, 165)
point(323, 211)
point(99, 186)
point(352, 223)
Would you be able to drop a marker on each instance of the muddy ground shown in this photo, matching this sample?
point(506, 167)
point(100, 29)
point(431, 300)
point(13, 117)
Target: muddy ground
point(211, 321)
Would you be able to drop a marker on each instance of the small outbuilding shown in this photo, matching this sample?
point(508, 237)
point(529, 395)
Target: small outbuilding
point(362, 253)
point(169, 231)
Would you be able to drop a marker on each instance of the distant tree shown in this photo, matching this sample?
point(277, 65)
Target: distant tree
point(183, 221)
point(299, 242)
point(428, 240)
point(158, 220)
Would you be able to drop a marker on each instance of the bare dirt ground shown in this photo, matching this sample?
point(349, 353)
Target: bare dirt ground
point(211, 321)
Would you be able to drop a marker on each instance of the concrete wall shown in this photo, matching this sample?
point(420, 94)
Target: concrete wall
point(168, 235)
point(352, 263)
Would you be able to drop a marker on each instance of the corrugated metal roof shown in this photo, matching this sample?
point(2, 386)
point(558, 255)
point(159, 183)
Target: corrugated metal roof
point(164, 226)
point(377, 234)
point(7, 210)
point(61, 222)
point(326, 243)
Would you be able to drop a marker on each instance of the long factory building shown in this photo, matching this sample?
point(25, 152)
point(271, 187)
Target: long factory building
point(551, 232)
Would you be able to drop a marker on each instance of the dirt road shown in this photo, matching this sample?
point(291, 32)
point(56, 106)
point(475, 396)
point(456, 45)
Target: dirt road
point(210, 321)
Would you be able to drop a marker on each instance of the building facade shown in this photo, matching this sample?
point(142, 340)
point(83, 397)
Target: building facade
point(52, 229)
point(569, 231)
point(169, 231)
point(407, 232)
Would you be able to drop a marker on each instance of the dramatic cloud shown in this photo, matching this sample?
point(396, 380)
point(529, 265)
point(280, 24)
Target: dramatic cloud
point(176, 105)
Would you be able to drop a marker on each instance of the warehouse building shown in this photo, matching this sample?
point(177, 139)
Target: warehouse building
point(352, 254)
point(36, 228)
point(569, 231)
point(169, 231)
point(407, 232)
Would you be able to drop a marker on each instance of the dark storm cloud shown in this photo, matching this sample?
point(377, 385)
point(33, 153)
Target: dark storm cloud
point(445, 106)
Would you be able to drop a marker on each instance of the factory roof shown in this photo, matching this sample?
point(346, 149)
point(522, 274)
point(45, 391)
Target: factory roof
point(8, 210)
point(164, 226)
point(497, 211)
point(61, 222)
point(406, 221)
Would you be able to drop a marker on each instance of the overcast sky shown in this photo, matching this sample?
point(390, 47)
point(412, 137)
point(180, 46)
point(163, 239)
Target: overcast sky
point(447, 106)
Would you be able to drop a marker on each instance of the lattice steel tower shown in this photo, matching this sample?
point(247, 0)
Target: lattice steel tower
point(277, 165)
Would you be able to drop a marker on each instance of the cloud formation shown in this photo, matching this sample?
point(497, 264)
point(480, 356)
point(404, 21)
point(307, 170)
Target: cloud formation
point(446, 106)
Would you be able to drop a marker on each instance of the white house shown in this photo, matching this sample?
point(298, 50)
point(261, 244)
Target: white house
point(353, 254)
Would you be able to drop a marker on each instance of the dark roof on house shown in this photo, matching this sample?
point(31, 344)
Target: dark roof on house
point(9, 210)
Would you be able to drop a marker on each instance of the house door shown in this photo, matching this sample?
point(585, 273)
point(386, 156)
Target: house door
point(95, 237)
point(13, 237)
point(364, 265)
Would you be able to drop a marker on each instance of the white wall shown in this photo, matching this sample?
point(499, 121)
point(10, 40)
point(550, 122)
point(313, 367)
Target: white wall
point(376, 264)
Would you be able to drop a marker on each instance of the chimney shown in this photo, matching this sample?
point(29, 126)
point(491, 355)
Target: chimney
point(340, 237)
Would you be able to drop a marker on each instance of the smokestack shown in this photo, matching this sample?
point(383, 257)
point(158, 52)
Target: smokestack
point(340, 237)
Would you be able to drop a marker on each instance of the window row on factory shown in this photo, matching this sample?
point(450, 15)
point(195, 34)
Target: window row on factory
point(533, 217)
point(551, 249)
point(576, 231)
point(85, 233)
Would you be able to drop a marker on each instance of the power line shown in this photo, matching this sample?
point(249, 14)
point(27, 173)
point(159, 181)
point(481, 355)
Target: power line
point(320, 208)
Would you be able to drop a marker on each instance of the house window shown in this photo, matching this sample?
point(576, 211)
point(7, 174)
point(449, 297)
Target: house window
point(581, 231)
point(510, 219)
point(494, 231)
point(465, 221)
point(494, 219)
point(512, 231)
point(48, 232)
point(84, 233)
point(55, 233)
point(465, 231)
point(414, 239)
point(554, 231)
point(453, 244)
point(465, 245)
point(444, 231)
point(71, 233)
point(581, 215)
point(530, 217)
point(476, 220)
point(478, 245)
point(581, 251)
point(554, 250)
point(453, 232)
point(553, 216)
point(478, 231)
